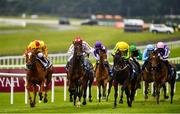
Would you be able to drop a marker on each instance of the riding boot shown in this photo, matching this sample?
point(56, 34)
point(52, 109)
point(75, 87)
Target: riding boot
point(132, 71)
point(106, 64)
point(67, 66)
point(169, 67)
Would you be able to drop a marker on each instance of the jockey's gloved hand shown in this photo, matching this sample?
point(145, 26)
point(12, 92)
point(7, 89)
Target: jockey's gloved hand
point(40, 55)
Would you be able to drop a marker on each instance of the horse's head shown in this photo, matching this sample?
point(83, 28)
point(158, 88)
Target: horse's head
point(154, 59)
point(102, 54)
point(119, 62)
point(78, 49)
point(30, 58)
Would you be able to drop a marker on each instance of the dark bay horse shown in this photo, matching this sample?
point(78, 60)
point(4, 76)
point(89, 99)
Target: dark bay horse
point(122, 76)
point(160, 75)
point(77, 76)
point(102, 74)
point(37, 75)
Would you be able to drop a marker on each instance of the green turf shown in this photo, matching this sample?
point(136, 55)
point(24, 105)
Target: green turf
point(59, 41)
point(60, 106)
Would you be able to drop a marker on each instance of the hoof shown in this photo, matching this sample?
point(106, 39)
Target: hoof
point(90, 100)
point(71, 100)
point(146, 97)
point(84, 103)
point(45, 100)
point(129, 105)
point(114, 107)
point(120, 101)
point(166, 97)
point(154, 95)
point(32, 104)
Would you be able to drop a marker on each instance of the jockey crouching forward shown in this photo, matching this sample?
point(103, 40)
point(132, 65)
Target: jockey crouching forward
point(98, 46)
point(136, 55)
point(86, 51)
point(163, 52)
point(123, 47)
point(146, 53)
point(42, 50)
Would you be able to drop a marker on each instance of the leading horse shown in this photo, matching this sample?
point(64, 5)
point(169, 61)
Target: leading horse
point(37, 75)
point(160, 75)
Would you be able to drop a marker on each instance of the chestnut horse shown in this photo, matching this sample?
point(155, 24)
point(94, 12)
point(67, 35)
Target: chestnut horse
point(160, 75)
point(122, 75)
point(102, 74)
point(37, 75)
point(77, 76)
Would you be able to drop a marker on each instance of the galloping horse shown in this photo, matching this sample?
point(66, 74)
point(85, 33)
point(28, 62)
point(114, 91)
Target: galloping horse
point(148, 78)
point(37, 75)
point(102, 74)
point(122, 75)
point(160, 75)
point(77, 76)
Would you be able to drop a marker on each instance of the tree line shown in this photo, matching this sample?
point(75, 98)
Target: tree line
point(84, 8)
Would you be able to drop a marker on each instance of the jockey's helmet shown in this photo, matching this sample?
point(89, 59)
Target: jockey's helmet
point(98, 44)
point(122, 46)
point(160, 45)
point(78, 40)
point(132, 48)
point(37, 43)
point(150, 47)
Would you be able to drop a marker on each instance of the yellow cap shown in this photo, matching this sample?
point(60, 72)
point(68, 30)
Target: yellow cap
point(122, 46)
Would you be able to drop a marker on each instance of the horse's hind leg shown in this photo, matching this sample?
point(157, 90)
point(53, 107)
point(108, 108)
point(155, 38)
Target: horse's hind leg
point(172, 90)
point(104, 90)
point(121, 96)
point(40, 92)
point(115, 93)
point(164, 87)
point(99, 88)
point(129, 102)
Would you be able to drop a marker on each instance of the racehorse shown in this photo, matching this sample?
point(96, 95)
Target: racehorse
point(160, 75)
point(148, 78)
point(122, 75)
point(77, 76)
point(37, 75)
point(102, 74)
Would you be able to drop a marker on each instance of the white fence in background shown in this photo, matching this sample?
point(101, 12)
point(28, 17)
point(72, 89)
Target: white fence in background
point(62, 57)
point(13, 75)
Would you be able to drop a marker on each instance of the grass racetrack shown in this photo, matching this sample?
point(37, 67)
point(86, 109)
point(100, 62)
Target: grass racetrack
point(14, 40)
point(61, 106)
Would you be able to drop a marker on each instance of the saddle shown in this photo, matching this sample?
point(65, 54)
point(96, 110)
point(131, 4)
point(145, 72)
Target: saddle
point(44, 62)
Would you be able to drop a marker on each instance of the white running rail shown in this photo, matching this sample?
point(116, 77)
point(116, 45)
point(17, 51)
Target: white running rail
point(13, 75)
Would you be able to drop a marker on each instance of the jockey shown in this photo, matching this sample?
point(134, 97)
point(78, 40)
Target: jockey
point(42, 50)
point(97, 47)
point(87, 49)
point(136, 55)
point(163, 52)
point(124, 48)
point(145, 58)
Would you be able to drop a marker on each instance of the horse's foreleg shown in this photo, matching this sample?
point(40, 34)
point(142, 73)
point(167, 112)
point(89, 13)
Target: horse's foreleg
point(154, 90)
point(40, 91)
point(90, 96)
point(109, 89)
point(164, 87)
point(35, 93)
point(104, 90)
point(46, 90)
point(115, 93)
point(99, 88)
point(121, 96)
point(129, 102)
point(29, 95)
point(84, 93)
point(157, 86)
point(146, 90)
